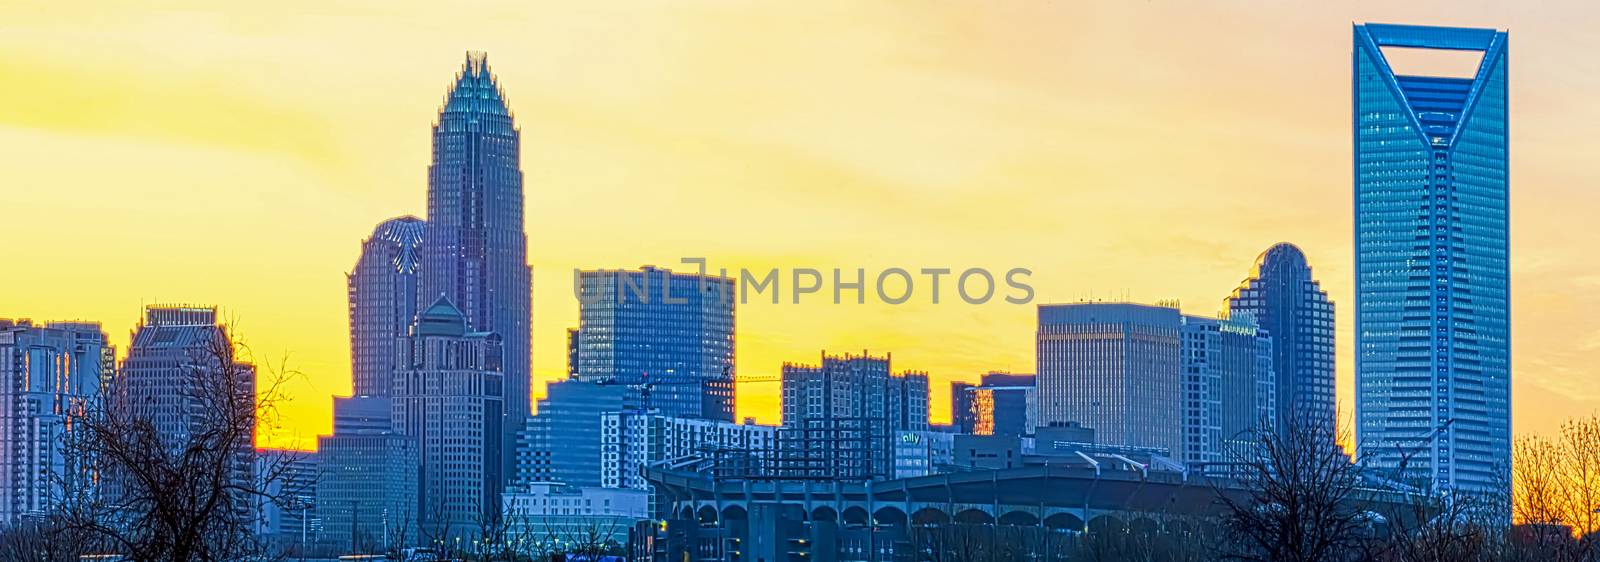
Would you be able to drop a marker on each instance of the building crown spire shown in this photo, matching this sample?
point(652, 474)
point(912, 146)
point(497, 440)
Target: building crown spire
point(476, 89)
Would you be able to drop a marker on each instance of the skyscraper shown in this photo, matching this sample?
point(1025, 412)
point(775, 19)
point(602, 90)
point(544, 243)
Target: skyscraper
point(671, 333)
point(447, 398)
point(1432, 259)
point(474, 249)
point(49, 375)
point(1282, 298)
point(383, 302)
point(182, 376)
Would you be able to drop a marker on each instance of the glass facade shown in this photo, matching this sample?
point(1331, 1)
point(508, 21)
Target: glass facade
point(383, 302)
point(1000, 403)
point(475, 249)
point(670, 334)
point(1432, 271)
point(563, 442)
point(1283, 299)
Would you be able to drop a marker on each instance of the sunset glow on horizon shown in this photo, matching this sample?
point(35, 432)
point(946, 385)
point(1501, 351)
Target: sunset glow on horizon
point(1120, 151)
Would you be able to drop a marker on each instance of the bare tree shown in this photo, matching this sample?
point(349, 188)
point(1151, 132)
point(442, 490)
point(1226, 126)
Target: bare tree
point(41, 540)
point(593, 538)
point(1556, 500)
point(1300, 503)
point(1439, 525)
point(176, 467)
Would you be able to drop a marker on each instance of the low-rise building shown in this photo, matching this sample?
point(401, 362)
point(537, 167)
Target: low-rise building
point(553, 513)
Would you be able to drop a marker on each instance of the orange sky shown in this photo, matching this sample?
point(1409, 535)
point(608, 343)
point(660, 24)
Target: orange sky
point(180, 152)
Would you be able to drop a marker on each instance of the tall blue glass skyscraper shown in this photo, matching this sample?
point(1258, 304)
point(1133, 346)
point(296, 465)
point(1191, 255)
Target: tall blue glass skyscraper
point(670, 334)
point(474, 249)
point(1433, 354)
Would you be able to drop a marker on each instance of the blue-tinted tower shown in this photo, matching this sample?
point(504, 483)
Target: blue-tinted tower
point(671, 335)
point(1284, 299)
point(474, 249)
point(1433, 354)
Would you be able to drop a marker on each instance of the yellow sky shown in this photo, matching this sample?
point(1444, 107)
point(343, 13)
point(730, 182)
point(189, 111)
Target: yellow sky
point(181, 152)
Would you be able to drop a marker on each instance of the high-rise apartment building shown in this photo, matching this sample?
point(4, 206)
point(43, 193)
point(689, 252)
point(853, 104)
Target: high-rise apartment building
point(856, 387)
point(1432, 258)
point(1229, 388)
point(1282, 297)
point(384, 297)
point(670, 333)
point(49, 375)
point(841, 415)
point(448, 398)
point(630, 441)
point(474, 249)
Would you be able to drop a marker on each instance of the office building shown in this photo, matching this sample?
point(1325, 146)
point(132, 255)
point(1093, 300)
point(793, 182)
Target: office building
point(574, 515)
point(562, 442)
point(1282, 297)
point(49, 376)
point(183, 377)
point(671, 332)
point(474, 249)
point(1001, 403)
point(367, 497)
point(288, 512)
point(1432, 259)
point(920, 453)
point(1115, 368)
point(383, 296)
point(1148, 376)
point(448, 399)
point(961, 417)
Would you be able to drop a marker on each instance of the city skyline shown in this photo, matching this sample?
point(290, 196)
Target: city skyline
point(321, 195)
